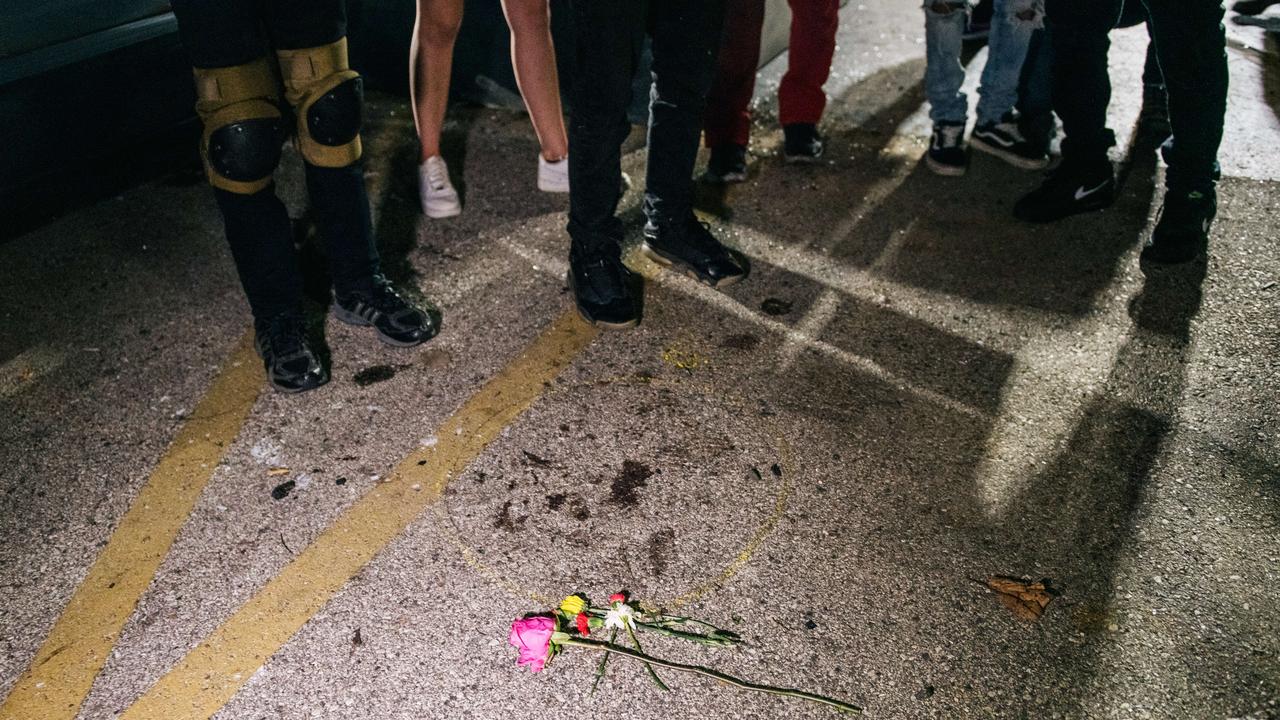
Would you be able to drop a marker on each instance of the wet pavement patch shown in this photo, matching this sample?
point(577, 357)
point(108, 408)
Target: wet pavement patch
point(282, 490)
point(775, 306)
point(374, 374)
point(741, 341)
point(661, 546)
point(556, 501)
point(622, 490)
point(505, 521)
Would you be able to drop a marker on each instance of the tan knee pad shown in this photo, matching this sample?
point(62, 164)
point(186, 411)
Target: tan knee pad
point(327, 96)
point(243, 126)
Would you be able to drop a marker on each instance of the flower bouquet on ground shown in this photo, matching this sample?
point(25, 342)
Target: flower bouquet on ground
point(539, 638)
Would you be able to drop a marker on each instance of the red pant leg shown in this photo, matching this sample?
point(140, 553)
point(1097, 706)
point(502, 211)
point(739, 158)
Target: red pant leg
point(813, 43)
point(728, 117)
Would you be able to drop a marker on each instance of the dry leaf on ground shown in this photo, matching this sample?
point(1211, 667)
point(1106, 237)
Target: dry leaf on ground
point(1027, 600)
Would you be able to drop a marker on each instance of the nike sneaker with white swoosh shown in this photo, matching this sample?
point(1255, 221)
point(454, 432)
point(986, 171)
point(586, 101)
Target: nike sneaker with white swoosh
point(1182, 232)
point(1072, 188)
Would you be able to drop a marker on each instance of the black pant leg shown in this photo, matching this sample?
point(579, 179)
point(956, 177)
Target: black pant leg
point(1191, 46)
point(225, 33)
point(296, 24)
point(686, 39)
point(338, 196)
point(609, 39)
point(221, 33)
point(1081, 79)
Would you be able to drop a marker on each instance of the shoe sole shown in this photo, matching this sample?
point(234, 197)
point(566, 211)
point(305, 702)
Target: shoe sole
point(802, 159)
point(1012, 158)
point(295, 391)
point(602, 324)
point(947, 170)
point(685, 268)
point(553, 188)
point(1079, 209)
point(351, 318)
point(711, 178)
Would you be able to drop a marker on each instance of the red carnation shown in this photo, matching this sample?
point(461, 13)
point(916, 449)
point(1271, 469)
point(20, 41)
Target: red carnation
point(617, 597)
point(583, 626)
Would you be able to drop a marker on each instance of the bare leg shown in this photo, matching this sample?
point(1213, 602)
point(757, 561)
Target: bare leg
point(430, 64)
point(534, 58)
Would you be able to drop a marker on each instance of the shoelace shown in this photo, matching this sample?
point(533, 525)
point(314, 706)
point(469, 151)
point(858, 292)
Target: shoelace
point(604, 276)
point(437, 175)
point(286, 337)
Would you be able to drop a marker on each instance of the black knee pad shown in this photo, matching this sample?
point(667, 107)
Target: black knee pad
point(334, 118)
point(326, 95)
point(248, 150)
point(243, 126)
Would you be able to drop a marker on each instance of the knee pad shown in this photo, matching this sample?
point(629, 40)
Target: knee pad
point(243, 126)
point(327, 96)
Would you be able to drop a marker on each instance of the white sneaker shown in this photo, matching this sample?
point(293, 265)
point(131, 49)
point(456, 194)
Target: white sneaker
point(553, 177)
point(439, 199)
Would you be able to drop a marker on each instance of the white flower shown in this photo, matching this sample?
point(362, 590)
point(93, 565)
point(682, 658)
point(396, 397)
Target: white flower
point(620, 616)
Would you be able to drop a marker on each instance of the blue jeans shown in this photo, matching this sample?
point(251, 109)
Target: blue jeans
point(1011, 26)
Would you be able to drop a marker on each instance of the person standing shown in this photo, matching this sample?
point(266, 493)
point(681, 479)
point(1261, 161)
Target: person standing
point(430, 65)
point(239, 48)
point(610, 36)
point(801, 99)
point(996, 132)
point(1190, 45)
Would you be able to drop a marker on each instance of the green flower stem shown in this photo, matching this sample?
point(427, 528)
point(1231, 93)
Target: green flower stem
point(663, 626)
point(652, 673)
point(708, 672)
point(613, 635)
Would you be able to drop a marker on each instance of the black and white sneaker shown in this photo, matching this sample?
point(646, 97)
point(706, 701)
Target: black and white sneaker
point(1005, 141)
point(1182, 232)
point(802, 143)
point(1072, 188)
point(727, 165)
point(689, 246)
point(291, 365)
point(605, 291)
point(398, 321)
point(947, 155)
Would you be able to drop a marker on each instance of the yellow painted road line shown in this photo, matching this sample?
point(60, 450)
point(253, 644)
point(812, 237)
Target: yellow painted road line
point(55, 684)
point(211, 674)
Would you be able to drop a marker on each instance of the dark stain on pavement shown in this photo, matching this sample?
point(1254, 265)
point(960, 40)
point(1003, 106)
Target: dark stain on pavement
point(578, 509)
point(555, 501)
point(741, 341)
point(775, 306)
point(633, 476)
point(374, 374)
point(282, 490)
point(661, 545)
point(504, 521)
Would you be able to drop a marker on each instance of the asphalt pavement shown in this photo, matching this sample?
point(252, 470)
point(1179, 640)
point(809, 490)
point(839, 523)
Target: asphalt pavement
point(911, 395)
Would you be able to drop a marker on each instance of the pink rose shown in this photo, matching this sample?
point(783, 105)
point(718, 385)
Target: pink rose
point(532, 637)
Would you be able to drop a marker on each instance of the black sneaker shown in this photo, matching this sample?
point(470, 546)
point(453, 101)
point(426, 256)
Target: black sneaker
point(1072, 188)
point(398, 321)
point(291, 364)
point(947, 155)
point(606, 292)
point(1252, 7)
point(1182, 232)
point(689, 246)
point(1005, 140)
point(802, 143)
point(727, 164)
